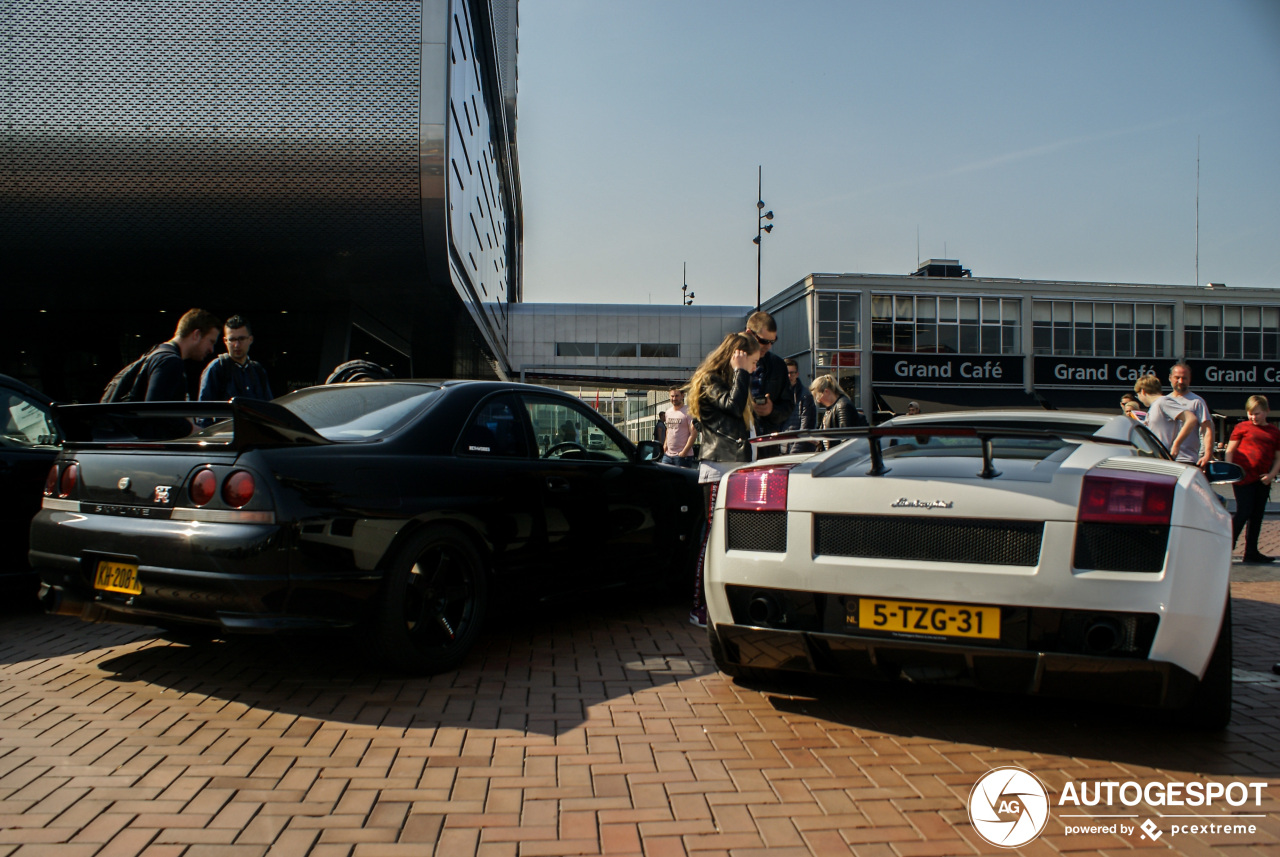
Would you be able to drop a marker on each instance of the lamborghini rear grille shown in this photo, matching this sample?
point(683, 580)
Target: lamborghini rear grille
point(929, 539)
point(1121, 547)
point(756, 531)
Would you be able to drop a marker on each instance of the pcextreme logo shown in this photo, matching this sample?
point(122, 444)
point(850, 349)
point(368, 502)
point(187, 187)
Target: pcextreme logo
point(1009, 806)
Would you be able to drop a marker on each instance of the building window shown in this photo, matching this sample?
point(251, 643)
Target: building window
point(1231, 332)
point(618, 349)
point(659, 349)
point(1101, 329)
point(838, 322)
point(945, 324)
point(575, 349)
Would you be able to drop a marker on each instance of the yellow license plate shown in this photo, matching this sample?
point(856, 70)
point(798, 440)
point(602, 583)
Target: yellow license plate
point(916, 617)
point(117, 577)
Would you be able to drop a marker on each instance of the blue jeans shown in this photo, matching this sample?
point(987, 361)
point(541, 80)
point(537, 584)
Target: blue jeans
point(679, 460)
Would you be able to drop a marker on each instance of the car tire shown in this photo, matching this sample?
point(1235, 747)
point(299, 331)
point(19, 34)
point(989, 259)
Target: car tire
point(433, 603)
point(1210, 705)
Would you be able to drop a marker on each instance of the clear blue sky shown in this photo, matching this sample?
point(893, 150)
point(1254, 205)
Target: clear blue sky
point(1027, 139)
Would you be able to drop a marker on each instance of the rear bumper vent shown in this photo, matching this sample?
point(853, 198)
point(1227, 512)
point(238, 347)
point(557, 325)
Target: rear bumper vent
point(1121, 547)
point(929, 539)
point(756, 531)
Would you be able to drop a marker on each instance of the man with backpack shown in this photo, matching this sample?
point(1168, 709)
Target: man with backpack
point(159, 375)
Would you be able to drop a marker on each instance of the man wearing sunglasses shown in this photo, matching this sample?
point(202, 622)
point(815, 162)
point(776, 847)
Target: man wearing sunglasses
point(234, 373)
point(769, 395)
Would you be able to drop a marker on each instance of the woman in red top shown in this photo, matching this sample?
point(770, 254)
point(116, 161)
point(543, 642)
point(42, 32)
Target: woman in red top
point(1253, 446)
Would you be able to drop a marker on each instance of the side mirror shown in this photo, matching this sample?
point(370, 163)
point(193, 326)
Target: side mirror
point(648, 450)
point(1219, 472)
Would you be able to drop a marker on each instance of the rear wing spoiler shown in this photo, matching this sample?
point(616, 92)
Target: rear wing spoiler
point(984, 434)
point(122, 425)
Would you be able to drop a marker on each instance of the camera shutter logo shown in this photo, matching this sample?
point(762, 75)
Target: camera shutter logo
point(1009, 806)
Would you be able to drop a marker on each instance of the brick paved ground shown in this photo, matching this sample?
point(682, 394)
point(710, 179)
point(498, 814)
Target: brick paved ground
point(577, 731)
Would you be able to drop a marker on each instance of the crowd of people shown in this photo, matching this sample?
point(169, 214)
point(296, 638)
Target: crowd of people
point(1183, 423)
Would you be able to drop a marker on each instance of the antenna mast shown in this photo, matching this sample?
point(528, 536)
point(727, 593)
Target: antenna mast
point(1197, 209)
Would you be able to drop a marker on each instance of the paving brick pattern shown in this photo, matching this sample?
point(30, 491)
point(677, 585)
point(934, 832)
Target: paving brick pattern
point(586, 729)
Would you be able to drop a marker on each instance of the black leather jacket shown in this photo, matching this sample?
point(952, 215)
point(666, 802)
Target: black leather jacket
point(842, 414)
point(723, 430)
point(777, 385)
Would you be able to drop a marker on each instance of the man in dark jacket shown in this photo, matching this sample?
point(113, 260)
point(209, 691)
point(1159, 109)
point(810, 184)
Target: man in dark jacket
point(163, 375)
point(770, 396)
point(805, 415)
point(235, 373)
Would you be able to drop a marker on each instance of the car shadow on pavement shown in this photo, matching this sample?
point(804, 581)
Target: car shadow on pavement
point(536, 670)
point(1065, 727)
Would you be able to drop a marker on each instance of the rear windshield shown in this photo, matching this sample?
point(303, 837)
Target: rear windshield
point(359, 411)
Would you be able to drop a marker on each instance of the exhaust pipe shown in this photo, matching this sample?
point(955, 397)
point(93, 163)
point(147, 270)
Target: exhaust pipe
point(54, 600)
point(1102, 637)
point(763, 610)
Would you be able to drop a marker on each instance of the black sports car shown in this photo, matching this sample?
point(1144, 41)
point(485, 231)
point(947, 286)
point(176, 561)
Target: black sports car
point(398, 507)
point(29, 441)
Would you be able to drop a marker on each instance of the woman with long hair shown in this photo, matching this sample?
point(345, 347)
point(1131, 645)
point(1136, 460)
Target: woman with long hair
point(720, 400)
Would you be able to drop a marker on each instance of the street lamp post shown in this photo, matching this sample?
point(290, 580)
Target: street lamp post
point(686, 295)
point(761, 226)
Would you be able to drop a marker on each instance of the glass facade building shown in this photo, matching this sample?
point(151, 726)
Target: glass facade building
point(345, 175)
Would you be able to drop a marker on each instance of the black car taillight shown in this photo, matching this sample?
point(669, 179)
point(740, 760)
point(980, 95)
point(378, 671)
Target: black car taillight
point(761, 489)
point(238, 489)
point(51, 482)
point(203, 486)
point(70, 478)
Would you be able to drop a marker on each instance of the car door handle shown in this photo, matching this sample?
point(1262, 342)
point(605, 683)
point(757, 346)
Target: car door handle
point(557, 483)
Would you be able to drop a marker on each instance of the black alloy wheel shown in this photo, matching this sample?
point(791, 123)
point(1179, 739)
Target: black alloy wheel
point(433, 604)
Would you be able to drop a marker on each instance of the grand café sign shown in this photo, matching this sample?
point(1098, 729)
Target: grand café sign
point(944, 369)
point(1248, 376)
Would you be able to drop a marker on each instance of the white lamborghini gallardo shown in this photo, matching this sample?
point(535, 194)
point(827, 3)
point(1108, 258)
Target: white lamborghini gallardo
point(1031, 552)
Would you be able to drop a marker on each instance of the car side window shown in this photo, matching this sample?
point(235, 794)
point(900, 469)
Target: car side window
point(566, 431)
point(494, 431)
point(26, 423)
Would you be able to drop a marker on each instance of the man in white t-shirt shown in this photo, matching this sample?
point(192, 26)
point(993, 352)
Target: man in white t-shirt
point(1180, 381)
point(678, 447)
point(1171, 419)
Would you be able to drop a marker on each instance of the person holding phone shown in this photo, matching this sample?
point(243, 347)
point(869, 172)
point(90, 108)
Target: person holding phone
point(770, 399)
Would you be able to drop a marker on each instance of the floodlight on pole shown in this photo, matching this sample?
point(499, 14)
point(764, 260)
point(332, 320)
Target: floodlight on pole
point(761, 226)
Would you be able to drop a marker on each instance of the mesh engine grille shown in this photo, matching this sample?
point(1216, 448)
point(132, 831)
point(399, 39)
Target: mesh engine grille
point(1121, 547)
point(756, 531)
point(929, 540)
